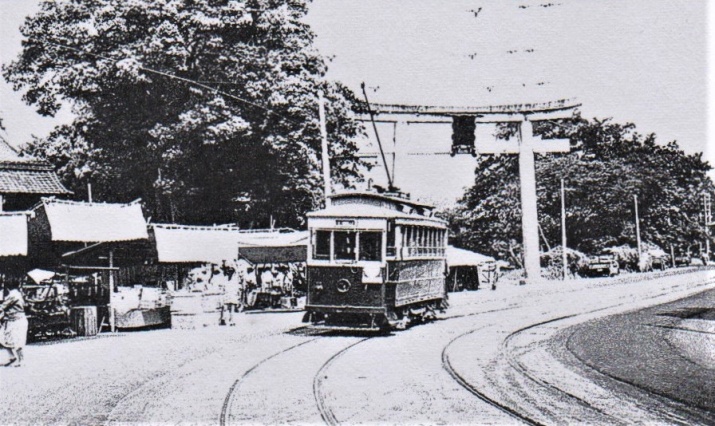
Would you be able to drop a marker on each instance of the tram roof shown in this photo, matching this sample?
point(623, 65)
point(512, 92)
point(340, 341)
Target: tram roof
point(372, 212)
point(365, 195)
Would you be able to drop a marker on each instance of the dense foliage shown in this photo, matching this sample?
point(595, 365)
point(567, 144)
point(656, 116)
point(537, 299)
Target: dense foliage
point(206, 109)
point(608, 164)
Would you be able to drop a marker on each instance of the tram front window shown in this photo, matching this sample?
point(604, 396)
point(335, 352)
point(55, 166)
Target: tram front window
point(344, 245)
point(370, 246)
point(322, 245)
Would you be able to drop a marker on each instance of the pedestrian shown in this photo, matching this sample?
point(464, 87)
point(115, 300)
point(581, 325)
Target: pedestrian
point(231, 295)
point(13, 330)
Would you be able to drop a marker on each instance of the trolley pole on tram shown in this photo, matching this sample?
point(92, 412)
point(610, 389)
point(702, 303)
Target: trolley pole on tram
point(324, 148)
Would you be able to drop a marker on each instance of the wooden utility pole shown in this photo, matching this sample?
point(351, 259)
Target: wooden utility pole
point(707, 213)
point(112, 324)
point(324, 148)
point(564, 258)
point(89, 192)
point(638, 228)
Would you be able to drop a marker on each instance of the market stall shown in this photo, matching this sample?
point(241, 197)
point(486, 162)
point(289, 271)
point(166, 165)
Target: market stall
point(211, 267)
point(97, 249)
point(279, 262)
point(469, 270)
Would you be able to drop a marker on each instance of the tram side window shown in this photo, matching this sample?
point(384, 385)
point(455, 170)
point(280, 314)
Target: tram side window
point(390, 239)
point(321, 248)
point(344, 245)
point(371, 246)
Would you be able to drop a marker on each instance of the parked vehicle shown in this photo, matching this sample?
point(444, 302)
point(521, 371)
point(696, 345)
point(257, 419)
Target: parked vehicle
point(661, 262)
point(683, 260)
point(602, 265)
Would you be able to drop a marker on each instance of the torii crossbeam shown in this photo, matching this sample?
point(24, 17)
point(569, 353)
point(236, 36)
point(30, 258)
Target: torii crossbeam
point(526, 146)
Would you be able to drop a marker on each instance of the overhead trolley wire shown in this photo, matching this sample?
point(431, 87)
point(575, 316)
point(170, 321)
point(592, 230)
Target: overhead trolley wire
point(178, 78)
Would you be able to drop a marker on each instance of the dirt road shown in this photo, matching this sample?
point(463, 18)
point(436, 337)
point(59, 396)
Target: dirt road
point(491, 361)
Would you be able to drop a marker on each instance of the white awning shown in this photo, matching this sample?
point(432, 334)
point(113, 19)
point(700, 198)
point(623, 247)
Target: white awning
point(215, 244)
point(461, 257)
point(13, 234)
point(95, 222)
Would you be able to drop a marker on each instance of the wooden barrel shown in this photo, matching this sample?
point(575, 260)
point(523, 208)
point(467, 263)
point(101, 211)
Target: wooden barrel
point(84, 320)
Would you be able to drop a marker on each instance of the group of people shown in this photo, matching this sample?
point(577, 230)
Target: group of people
point(244, 285)
point(13, 323)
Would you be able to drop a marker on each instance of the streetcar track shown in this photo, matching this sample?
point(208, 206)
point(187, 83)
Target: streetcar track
point(166, 374)
point(524, 372)
point(447, 365)
point(228, 400)
point(512, 359)
point(325, 412)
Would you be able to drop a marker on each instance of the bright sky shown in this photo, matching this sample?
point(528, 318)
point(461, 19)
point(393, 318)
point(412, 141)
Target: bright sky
point(643, 61)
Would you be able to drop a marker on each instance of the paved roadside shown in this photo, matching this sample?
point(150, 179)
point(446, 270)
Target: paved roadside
point(666, 350)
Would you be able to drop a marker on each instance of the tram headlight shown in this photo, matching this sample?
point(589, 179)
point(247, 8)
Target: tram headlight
point(343, 286)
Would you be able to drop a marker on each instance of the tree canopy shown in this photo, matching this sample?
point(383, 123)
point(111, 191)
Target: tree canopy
point(206, 109)
point(609, 163)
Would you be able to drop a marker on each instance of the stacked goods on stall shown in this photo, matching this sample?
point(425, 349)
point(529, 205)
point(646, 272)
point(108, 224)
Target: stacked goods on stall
point(277, 277)
point(140, 306)
point(84, 320)
point(198, 303)
point(276, 286)
point(48, 311)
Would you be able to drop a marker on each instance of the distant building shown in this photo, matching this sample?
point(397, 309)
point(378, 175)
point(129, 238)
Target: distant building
point(24, 180)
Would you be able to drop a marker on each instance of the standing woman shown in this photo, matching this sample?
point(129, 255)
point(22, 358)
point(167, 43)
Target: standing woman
point(13, 331)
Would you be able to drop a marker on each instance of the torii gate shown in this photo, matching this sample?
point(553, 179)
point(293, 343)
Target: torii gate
point(525, 146)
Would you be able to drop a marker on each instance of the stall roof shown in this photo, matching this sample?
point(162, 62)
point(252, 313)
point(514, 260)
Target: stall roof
point(195, 244)
point(76, 221)
point(273, 239)
point(13, 234)
point(274, 247)
point(461, 257)
point(214, 244)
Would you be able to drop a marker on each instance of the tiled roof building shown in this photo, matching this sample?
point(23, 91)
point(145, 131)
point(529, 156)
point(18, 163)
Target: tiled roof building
point(24, 179)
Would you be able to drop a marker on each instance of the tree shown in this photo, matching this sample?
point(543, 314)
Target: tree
point(608, 164)
point(206, 109)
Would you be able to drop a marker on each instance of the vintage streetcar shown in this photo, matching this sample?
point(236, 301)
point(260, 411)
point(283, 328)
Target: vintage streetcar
point(375, 262)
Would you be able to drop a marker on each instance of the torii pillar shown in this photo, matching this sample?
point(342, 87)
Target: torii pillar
point(526, 146)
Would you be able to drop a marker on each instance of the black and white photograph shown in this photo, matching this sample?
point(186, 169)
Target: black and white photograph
point(357, 212)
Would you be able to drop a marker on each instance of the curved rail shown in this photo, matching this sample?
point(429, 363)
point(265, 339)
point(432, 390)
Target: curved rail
point(514, 363)
point(325, 412)
point(447, 365)
point(228, 400)
point(520, 368)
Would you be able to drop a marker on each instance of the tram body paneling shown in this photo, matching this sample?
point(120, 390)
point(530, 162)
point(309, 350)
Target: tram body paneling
point(374, 263)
